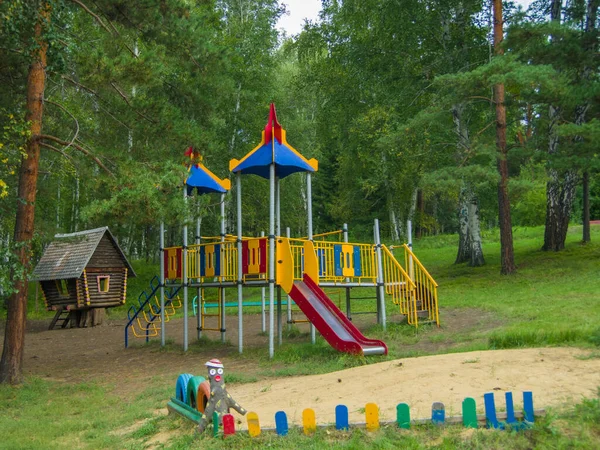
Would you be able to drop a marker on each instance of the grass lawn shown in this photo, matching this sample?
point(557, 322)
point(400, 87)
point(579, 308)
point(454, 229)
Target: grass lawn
point(554, 299)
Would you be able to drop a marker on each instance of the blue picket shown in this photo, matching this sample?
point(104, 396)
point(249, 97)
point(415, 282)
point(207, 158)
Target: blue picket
point(281, 423)
point(528, 406)
point(341, 417)
point(490, 411)
point(438, 413)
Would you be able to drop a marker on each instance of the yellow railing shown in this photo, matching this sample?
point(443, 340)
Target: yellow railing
point(426, 288)
point(399, 285)
point(326, 256)
point(227, 260)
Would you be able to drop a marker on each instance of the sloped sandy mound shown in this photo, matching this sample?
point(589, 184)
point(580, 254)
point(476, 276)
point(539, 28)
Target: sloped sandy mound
point(555, 375)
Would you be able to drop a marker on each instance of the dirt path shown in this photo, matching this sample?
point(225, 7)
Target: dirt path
point(555, 375)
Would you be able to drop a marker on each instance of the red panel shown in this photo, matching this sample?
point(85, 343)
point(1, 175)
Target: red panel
point(244, 257)
point(228, 425)
point(179, 262)
point(166, 264)
point(262, 248)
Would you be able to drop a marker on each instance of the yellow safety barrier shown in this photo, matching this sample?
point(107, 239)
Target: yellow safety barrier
point(366, 273)
point(399, 285)
point(426, 288)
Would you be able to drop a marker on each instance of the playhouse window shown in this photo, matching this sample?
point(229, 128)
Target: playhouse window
point(62, 287)
point(103, 283)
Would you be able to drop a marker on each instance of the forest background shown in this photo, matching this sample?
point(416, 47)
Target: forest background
point(397, 100)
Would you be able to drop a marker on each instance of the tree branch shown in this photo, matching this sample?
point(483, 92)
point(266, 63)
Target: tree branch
point(57, 150)
point(122, 94)
point(78, 147)
point(72, 117)
point(95, 16)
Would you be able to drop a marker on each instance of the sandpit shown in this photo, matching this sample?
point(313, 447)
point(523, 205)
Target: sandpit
point(556, 376)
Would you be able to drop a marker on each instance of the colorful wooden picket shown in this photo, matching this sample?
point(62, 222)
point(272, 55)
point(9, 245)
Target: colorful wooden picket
point(228, 425)
point(469, 413)
point(309, 421)
point(253, 424)
point(403, 416)
point(372, 416)
point(281, 423)
point(528, 406)
point(490, 411)
point(215, 424)
point(341, 417)
point(438, 413)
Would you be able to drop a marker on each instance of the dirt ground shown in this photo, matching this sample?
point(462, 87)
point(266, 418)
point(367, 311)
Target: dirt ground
point(555, 375)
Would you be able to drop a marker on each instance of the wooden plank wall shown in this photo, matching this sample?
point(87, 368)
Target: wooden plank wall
point(114, 296)
point(54, 299)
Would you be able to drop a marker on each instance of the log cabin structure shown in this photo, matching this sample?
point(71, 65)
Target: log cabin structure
point(81, 274)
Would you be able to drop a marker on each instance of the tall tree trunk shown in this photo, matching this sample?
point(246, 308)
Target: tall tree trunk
point(464, 242)
point(507, 258)
point(469, 245)
point(586, 207)
point(560, 189)
point(476, 252)
point(11, 365)
point(591, 45)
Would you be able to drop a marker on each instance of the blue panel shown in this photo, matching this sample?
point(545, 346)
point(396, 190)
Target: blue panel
point(217, 260)
point(281, 423)
point(202, 261)
point(510, 409)
point(341, 417)
point(528, 406)
point(438, 414)
point(202, 182)
point(490, 410)
point(322, 261)
point(337, 251)
point(356, 261)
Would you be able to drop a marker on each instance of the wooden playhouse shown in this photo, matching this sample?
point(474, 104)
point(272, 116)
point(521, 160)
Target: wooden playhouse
point(81, 274)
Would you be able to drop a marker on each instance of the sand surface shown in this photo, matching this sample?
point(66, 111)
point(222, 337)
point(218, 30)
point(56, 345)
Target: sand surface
point(555, 375)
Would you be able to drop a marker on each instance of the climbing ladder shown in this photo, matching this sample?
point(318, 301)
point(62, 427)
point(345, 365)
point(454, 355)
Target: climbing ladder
point(142, 320)
point(62, 316)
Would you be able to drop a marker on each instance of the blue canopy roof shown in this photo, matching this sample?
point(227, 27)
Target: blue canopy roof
point(273, 148)
point(205, 182)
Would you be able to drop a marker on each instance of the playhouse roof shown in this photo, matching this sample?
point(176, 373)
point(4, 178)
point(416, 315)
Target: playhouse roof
point(69, 254)
point(273, 148)
point(204, 181)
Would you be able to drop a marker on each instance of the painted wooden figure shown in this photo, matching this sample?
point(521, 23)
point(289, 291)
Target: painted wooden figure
point(220, 401)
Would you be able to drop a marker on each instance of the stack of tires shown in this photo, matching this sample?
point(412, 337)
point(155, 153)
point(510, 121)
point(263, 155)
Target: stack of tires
point(193, 391)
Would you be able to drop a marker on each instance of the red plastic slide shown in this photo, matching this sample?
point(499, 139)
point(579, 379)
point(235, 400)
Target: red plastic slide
point(331, 322)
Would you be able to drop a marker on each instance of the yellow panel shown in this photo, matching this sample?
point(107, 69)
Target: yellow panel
point(285, 265)
point(348, 263)
point(209, 261)
point(253, 256)
point(311, 263)
point(372, 416)
point(172, 262)
point(309, 421)
point(253, 424)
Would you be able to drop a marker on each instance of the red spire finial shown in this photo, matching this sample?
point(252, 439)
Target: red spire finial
point(272, 127)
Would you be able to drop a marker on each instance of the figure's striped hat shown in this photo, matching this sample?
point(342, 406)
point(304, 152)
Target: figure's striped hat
point(214, 363)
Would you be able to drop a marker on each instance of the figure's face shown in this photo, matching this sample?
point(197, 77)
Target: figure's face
point(215, 375)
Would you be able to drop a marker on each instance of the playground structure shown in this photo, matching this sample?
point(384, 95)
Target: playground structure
point(300, 267)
